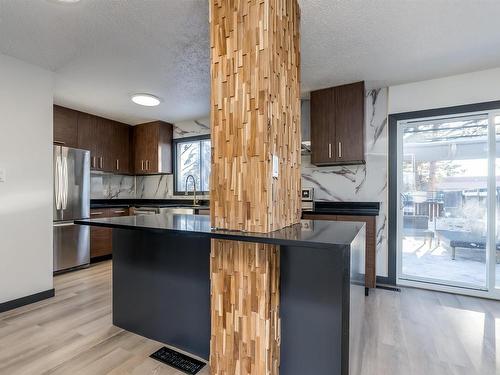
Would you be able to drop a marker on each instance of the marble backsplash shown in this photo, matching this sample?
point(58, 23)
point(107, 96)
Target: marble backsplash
point(159, 187)
point(192, 128)
point(111, 186)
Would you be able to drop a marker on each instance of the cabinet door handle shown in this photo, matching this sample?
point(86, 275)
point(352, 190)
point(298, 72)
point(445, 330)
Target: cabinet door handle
point(340, 149)
point(100, 162)
point(92, 162)
point(329, 150)
point(148, 165)
point(117, 164)
point(142, 165)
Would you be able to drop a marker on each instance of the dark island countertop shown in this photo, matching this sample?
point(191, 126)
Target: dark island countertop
point(311, 233)
point(115, 203)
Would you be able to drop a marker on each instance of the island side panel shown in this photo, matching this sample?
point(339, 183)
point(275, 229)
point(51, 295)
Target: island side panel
point(314, 310)
point(161, 287)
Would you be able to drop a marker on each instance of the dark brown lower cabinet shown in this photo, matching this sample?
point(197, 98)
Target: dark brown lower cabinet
point(101, 243)
point(371, 241)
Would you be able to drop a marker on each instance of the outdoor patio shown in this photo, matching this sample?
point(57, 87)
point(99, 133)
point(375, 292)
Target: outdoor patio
point(435, 261)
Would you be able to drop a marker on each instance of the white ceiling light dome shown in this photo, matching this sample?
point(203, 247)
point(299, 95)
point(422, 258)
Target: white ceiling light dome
point(147, 100)
point(65, 1)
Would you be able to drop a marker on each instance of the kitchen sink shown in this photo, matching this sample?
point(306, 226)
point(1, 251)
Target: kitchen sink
point(186, 210)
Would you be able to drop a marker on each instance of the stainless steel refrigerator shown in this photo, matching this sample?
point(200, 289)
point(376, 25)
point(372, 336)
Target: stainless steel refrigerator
point(71, 202)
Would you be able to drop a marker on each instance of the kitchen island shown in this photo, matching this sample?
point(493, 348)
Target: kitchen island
point(161, 284)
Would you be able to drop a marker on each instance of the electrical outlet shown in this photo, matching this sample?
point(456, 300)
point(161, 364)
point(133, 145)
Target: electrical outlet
point(276, 166)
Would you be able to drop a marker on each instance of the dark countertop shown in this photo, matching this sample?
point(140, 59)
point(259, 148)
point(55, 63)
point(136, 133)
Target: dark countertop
point(320, 207)
point(345, 208)
point(109, 205)
point(115, 203)
point(312, 233)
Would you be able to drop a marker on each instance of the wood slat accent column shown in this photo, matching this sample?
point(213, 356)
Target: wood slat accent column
point(255, 114)
point(245, 308)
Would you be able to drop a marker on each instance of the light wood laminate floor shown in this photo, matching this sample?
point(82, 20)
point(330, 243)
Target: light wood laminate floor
point(412, 332)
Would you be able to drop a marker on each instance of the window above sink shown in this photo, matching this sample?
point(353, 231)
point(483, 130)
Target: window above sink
point(192, 157)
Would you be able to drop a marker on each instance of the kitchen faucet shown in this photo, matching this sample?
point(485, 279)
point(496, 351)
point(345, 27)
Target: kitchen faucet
point(195, 202)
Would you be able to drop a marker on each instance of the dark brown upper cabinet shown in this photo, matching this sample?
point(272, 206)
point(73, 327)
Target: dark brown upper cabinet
point(108, 142)
point(322, 126)
point(120, 148)
point(116, 147)
point(87, 136)
point(152, 148)
point(337, 125)
point(65, 126)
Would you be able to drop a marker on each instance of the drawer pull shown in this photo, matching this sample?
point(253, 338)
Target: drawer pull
point(97, 213)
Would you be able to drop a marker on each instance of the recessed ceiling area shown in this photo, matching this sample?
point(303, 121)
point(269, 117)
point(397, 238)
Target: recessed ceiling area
point(104, 51)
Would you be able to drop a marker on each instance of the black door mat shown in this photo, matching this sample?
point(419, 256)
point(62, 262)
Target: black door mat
point(178, 360)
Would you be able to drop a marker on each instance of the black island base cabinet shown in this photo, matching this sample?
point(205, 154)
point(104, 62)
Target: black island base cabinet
point(161, 285)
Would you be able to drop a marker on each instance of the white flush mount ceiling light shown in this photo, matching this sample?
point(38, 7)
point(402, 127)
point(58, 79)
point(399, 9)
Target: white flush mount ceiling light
point(147, 100)
point(65, 1)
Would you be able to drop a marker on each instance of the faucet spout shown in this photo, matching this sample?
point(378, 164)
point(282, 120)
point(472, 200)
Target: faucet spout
point(195, 201)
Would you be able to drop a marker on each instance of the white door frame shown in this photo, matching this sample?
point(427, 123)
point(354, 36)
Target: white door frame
point(490, 290)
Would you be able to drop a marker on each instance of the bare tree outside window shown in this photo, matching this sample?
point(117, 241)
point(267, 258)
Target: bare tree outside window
point(193, 158)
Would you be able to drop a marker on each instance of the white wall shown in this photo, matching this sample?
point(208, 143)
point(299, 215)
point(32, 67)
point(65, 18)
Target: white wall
point(460, 89)
point(26, 94)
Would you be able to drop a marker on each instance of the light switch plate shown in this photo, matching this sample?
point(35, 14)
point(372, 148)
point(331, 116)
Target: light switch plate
point(276, 166)
point(2, 175)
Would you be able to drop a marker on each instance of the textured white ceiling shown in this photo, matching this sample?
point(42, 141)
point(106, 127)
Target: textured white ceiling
point(389, 42)
point(105, 50)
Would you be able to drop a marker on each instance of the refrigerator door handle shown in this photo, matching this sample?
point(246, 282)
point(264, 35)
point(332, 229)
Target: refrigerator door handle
point(57, 182)
point(64, 182)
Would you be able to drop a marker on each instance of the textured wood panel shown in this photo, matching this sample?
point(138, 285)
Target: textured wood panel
point(255, 100)
point(245, 308)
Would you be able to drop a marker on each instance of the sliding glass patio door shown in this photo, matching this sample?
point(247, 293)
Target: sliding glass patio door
point(447, 187)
